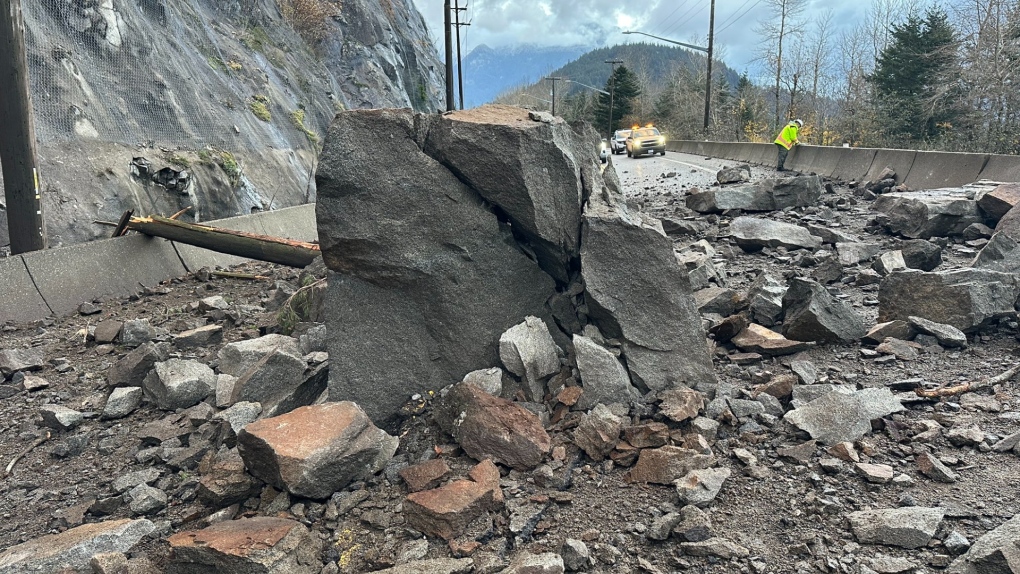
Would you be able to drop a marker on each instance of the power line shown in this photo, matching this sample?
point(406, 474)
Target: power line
point(753, 6)
point(675, 10)
point(700, 9)
point(730, 17)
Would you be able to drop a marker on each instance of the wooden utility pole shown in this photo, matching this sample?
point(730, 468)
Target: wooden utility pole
point(17, 136)
point(448, 32)
point(553, 79)
point(708, 81)
point(460, 76)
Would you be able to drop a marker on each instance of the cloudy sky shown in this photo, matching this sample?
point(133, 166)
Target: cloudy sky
point(600, 22)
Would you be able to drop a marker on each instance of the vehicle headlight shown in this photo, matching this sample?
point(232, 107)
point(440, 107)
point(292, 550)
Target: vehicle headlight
point(662, 140)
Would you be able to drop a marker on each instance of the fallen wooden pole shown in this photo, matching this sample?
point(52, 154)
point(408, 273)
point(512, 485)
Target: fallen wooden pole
point(969, 386)
point(251, 245)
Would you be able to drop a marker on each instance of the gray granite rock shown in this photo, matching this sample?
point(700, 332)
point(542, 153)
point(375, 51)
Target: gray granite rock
point(179, 384)
point(603, 377)
point(122, 402)
point(840, 416)
point(908, 527)
point(753, 234)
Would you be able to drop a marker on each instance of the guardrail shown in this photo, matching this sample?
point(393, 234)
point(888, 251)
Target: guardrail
point(917, 169)
point(56, 281)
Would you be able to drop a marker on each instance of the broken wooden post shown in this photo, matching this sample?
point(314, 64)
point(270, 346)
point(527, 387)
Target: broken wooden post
point(251, 245)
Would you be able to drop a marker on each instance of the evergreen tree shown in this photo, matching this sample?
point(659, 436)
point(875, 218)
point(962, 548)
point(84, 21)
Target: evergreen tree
point(624, 87)
point(915, 79)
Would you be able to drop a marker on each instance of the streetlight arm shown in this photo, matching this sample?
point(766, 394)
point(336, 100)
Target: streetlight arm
point(587, 86)
point(691, 46)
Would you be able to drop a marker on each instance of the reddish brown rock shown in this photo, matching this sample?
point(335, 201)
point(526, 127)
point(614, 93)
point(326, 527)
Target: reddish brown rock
point(493, 427)
point(625, 454)
point(647, 435)
point(681, 404)
point(224, 480)
point(758, 339)
point(570, 395)
point(779, 386)
point(845, 451)
point(317, 450)
point(446, 511)
point(666, 464)
point(252, 545)
point(1000, 200)
point(424, 475)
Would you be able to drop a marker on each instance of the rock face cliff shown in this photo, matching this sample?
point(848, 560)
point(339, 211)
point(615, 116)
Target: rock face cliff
point(230, 95)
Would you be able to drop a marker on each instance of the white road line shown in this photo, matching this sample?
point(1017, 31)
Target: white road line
point(691, 165)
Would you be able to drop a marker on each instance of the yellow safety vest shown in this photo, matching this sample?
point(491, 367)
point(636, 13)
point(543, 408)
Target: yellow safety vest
point(788, 136)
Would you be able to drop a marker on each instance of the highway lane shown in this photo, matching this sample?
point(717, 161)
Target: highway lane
point(673, 172)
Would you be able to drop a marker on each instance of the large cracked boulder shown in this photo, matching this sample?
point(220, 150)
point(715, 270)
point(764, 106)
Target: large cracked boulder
point(967, 299)
point(465, 226)
point(429, 269)
point(637, 292)
point(928, 213)
point(765, 195)
point(753, 234)
point(813, 314)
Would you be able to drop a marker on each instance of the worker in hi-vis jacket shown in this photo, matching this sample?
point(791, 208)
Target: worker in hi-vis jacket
point(786, 140)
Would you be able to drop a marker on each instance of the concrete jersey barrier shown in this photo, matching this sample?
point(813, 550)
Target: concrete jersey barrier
point(56, 281)
point(917, 169)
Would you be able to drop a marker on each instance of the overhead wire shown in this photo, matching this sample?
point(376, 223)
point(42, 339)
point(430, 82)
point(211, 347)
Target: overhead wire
point(753, 6)
point(675, 10)
point(696, 9)
point(733, 14)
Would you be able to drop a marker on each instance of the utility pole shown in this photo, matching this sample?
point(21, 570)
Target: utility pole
point(612, 91)
point(553, 79)
point(17, 138)
point(450, 104)
point(708, 81)
point(458, 24)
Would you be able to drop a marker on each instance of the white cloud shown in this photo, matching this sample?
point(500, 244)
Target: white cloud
point(601, 22)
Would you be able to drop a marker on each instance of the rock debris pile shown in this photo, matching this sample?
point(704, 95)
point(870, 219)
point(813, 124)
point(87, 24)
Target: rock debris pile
point(510, 366)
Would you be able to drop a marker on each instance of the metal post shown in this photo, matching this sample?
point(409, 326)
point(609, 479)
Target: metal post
point(612, 91)
point(553, 80)
point(708, 81)
point(460, 75)
point(450, 104)
point(17, 138)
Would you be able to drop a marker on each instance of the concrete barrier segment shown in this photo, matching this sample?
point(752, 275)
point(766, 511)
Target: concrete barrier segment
point(854, 163)
point(71, 275)
point(826, 160)
point(1004, 168)
point(296, 222)
point(20, 300)
point(936, 169)
point(900, 160)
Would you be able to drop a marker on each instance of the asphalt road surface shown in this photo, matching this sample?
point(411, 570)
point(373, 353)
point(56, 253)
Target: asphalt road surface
point(674, 171)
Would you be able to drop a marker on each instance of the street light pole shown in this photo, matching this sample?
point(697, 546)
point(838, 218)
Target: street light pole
point(708, 51)
point(708, 80)
point(612, 92)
